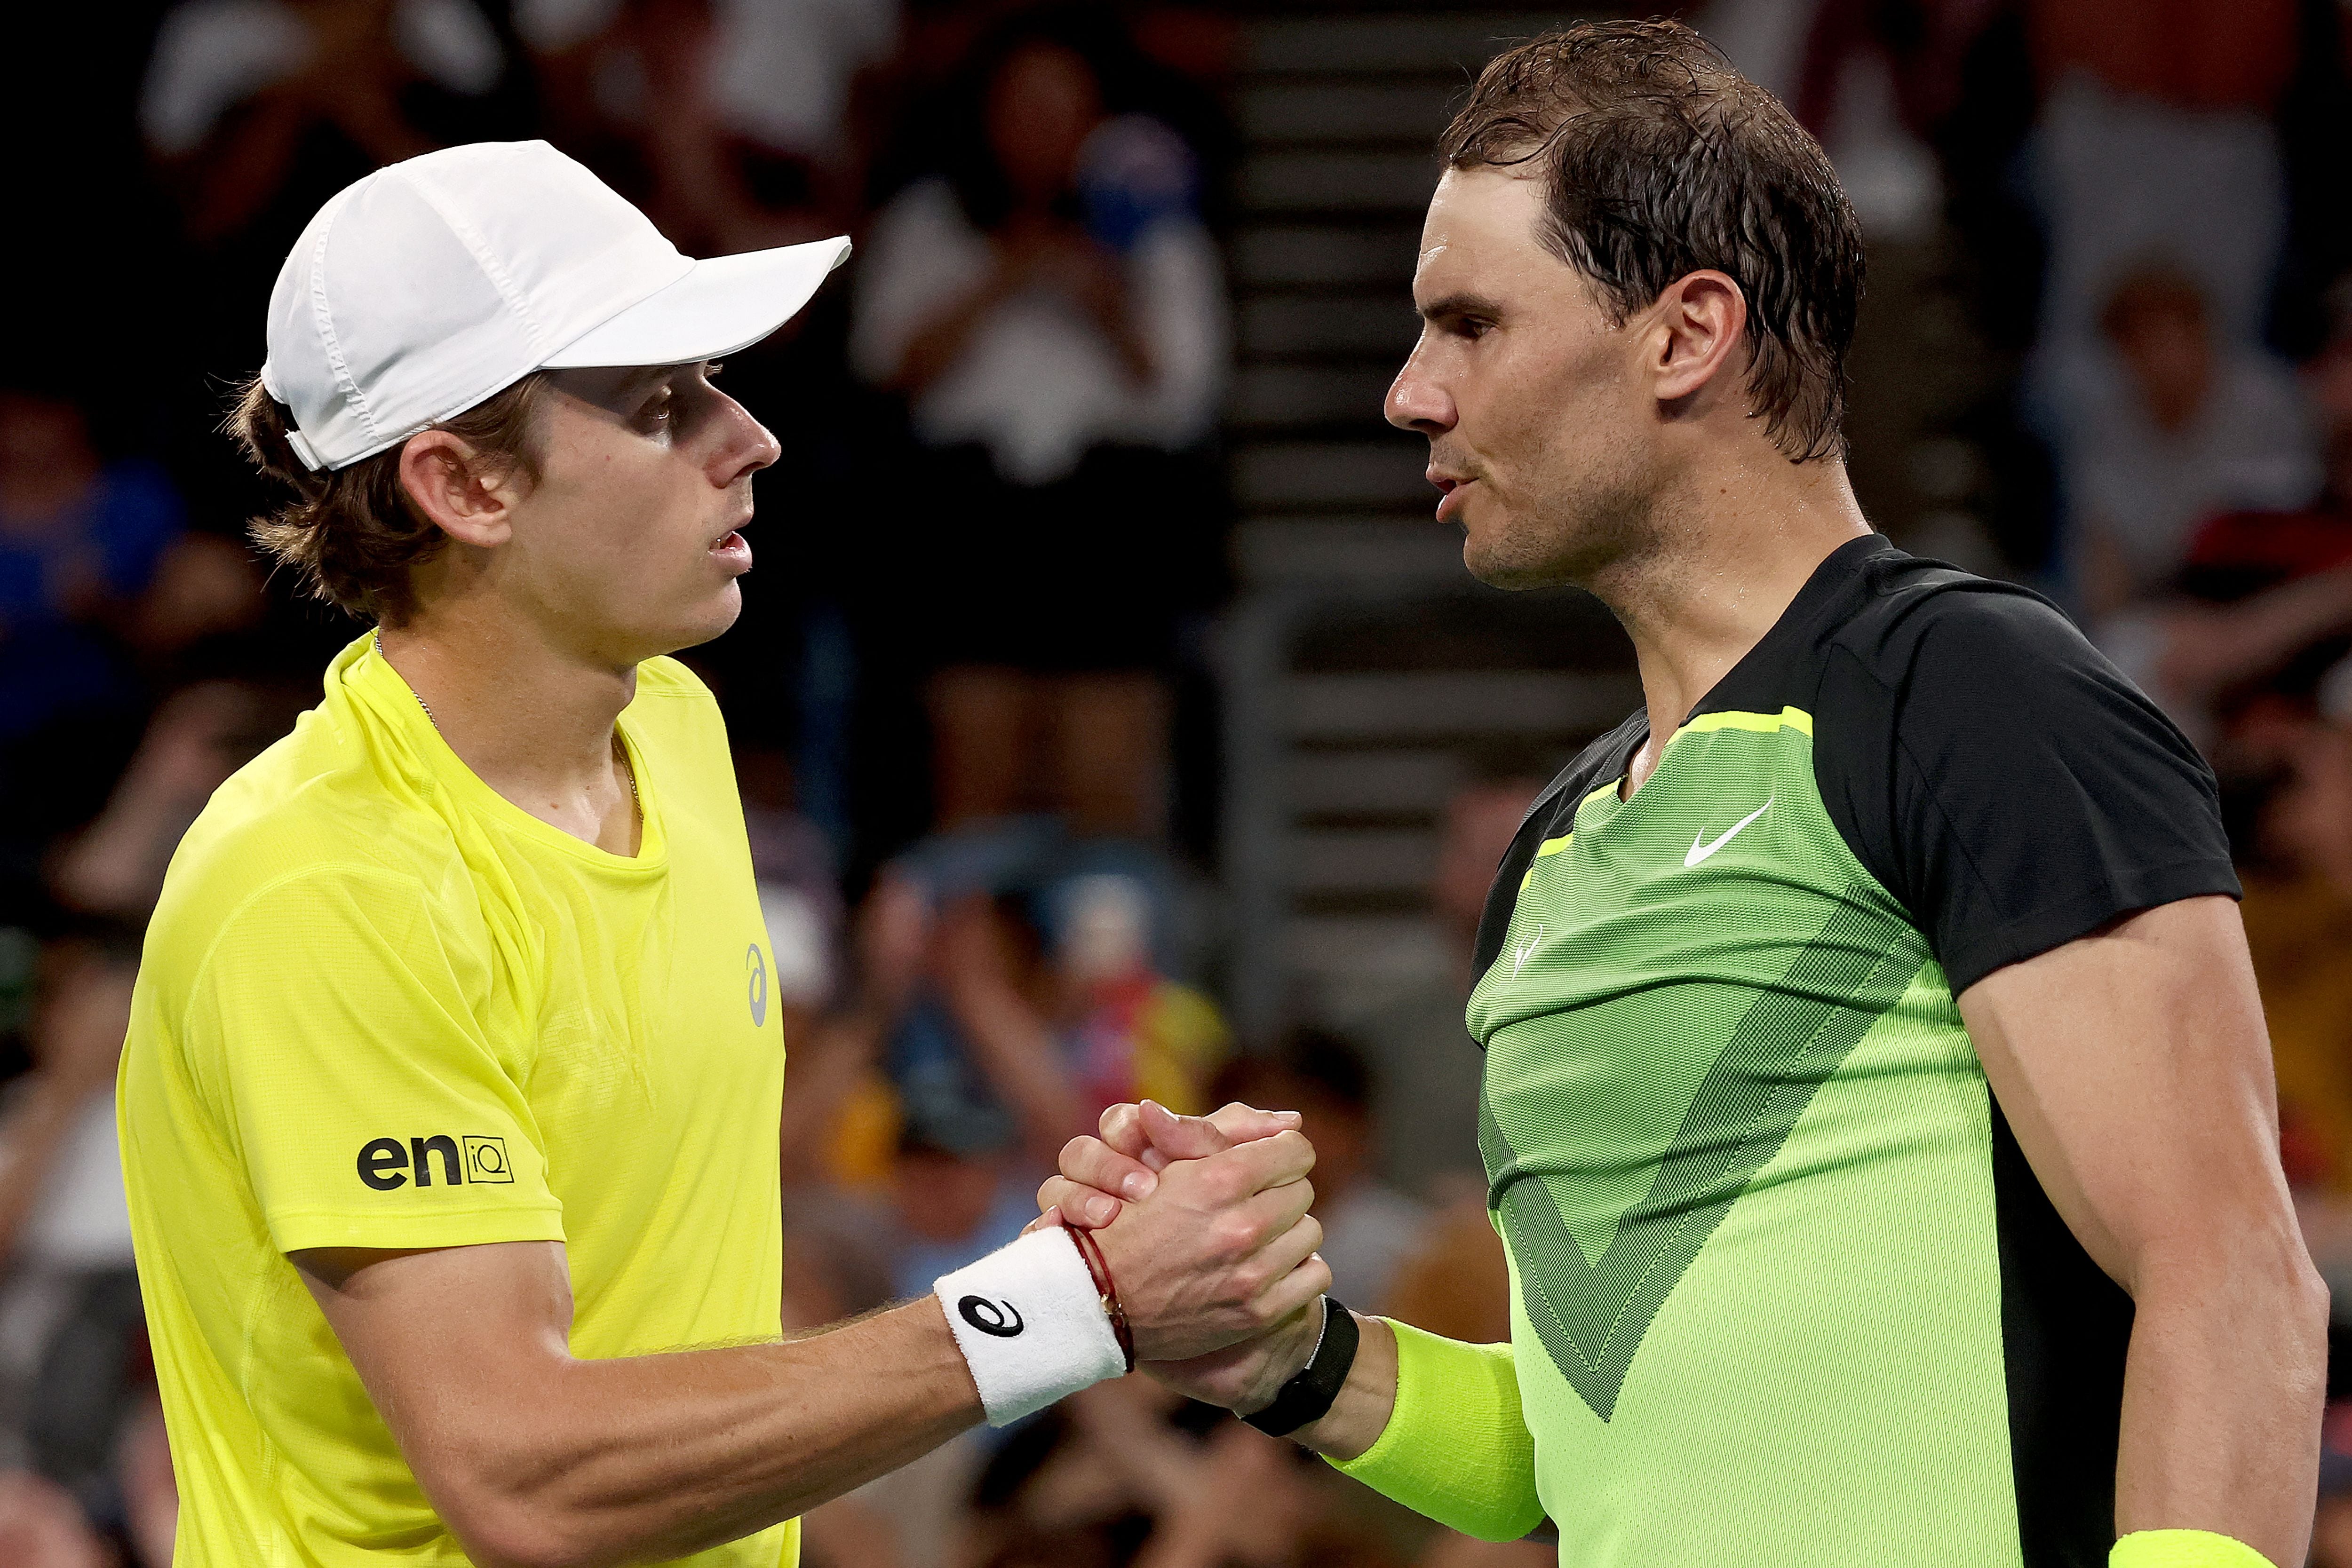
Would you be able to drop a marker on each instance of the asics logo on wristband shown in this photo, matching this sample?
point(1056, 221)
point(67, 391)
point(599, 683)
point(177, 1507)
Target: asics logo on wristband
point(999, 1319)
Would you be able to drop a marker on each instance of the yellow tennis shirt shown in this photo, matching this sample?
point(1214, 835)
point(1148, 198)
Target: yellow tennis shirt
point(383, 1007)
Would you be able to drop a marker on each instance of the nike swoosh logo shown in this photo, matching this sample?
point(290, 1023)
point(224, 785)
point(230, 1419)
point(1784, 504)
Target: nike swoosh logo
point(1525, 950)
point(1700, 849)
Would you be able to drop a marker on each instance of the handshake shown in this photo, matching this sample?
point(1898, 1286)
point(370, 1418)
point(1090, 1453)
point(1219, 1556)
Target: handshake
point(1202, 1223)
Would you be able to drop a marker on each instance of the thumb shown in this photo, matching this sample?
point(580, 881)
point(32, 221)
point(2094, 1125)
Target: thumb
point(1181, 1137)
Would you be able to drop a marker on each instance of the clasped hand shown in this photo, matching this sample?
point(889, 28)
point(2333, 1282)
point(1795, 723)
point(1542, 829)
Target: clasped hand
point(1204, 1221)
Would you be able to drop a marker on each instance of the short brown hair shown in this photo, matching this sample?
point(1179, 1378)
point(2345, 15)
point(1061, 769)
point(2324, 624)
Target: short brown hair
point(352, 533)
point(1659, 158)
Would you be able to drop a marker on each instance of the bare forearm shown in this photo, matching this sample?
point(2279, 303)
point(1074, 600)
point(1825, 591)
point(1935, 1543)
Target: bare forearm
point(650, 1457)
point(2221, 1405)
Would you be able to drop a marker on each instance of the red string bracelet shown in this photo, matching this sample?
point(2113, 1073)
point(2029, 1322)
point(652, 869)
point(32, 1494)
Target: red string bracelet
point(1098, 1269)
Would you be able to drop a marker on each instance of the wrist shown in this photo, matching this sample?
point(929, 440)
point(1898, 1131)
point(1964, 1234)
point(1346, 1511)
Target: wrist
point(1030, 1324)
point(1289, 1348)
point(1361, 1412)
point(1308, 1397)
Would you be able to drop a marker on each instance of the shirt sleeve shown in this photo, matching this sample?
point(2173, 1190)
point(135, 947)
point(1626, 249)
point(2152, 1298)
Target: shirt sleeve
point(2005, 782)
point(334, 1031)
point(1456, 1448)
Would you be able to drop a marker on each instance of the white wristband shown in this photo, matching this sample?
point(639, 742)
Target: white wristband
point(1030, 1324)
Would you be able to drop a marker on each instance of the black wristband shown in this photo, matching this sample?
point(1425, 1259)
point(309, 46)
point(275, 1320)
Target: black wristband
point(1309, 1395)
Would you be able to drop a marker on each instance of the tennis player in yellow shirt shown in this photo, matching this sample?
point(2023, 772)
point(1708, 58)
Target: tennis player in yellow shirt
point(449, 1108)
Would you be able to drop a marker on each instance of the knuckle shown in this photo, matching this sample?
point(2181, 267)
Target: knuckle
point(1234, 1236)
point(1265, 1311)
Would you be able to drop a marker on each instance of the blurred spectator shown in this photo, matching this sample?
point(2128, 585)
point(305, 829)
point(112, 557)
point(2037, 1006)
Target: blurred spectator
point(2156, 138)
point(101, 589)
point(1370, 1228)
point(1050, 306)
point(73, 1372)
point(730, 120)
point(42, 1527)
point(254, 104)
point(94, 555)
point(2298, 916)
point(1452, 1550)
point(1428, 1067)
point(1124, 1473)
point(1127, 1032)
point(1041, 948)
point(800, 890)
point(2262, 605)
point(1458, 1283)
point(201, 735)
point(2178, 425)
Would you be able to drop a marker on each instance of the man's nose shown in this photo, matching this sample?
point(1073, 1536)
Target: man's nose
point(749, 445)
point(1417, 402)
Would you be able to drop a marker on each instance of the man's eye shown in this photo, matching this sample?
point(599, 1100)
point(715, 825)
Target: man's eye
point(658, 410)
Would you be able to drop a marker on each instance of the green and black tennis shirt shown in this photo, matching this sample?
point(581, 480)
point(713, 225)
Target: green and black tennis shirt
point(1785, 1293)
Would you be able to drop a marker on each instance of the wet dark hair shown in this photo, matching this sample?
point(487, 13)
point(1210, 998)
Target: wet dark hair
point(1657, 160)
point(353, 534)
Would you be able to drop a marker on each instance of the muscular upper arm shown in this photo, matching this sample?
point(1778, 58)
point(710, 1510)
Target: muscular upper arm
point(2132, 1066)
point(455, 1345)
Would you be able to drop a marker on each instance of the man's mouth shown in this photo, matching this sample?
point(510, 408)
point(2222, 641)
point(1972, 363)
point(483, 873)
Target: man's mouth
point(1450, 488)
point(731, 549)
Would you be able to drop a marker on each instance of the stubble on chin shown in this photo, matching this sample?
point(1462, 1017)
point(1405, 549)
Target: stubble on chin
point(1583, 540)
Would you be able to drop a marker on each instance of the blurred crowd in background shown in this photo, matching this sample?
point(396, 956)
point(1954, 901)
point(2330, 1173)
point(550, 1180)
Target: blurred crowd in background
point(975, 686)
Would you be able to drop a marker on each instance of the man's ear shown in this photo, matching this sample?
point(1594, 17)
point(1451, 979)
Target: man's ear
point(1699, 323)
point(466, 494)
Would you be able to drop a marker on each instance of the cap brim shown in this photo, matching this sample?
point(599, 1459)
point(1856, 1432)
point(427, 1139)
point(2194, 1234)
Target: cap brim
point(724, 304)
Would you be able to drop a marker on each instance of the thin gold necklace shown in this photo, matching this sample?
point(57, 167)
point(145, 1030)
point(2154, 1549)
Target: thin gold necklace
point(620, 752)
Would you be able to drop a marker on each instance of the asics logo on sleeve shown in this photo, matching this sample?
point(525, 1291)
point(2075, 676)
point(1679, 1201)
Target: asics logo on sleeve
point(1700, 849)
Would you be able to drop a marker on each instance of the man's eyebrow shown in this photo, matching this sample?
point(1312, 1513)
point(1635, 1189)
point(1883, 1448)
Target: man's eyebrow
point(647, 376)
point(1453, 306)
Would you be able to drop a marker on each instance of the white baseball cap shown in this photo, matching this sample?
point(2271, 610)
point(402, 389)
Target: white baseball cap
point(429, 286)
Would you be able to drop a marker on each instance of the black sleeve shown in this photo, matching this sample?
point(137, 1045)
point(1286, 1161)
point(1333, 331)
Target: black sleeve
point(2003, 780)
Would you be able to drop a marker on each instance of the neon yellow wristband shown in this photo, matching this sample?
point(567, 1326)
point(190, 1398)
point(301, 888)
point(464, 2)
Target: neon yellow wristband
point(2184, 1548)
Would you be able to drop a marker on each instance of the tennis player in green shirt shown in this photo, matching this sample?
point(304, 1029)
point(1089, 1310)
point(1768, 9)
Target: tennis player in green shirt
point(1878, 1114)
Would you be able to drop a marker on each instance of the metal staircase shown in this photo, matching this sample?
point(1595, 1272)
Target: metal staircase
point(1362, 664)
